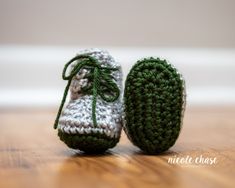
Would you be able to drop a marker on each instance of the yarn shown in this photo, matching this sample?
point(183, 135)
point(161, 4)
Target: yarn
point(154, 102)
point(101, 78)
point(91, 121)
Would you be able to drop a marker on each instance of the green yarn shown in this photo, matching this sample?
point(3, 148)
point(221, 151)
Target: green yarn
point(153, 101)
point(89, 143)
point(101, 82)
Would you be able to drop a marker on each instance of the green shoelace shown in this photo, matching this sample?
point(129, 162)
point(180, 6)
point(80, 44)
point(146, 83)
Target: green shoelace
point(100, 79)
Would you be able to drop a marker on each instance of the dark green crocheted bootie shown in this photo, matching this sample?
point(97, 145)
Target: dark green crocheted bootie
point(92, 120)
point(154, 99)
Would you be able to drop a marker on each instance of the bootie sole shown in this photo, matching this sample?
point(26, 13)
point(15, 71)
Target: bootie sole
point(154, 100)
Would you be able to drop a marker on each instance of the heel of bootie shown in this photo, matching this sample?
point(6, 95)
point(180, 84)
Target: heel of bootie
point(154, 99)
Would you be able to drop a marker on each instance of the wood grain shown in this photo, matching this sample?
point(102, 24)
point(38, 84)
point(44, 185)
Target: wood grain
point(31, 155)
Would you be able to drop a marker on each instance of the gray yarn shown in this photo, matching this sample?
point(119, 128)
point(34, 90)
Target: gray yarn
point(76, 117)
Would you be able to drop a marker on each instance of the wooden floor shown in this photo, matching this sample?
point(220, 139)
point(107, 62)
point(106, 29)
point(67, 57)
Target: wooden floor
point(32, 156)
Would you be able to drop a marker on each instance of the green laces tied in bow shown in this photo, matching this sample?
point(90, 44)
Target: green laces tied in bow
point(100, 82)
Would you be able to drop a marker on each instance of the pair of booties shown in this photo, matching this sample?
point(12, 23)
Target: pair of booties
point(150, 112)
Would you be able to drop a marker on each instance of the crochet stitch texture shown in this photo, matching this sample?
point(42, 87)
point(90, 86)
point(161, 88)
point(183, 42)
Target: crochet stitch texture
point(92, 120)
point(154, 103)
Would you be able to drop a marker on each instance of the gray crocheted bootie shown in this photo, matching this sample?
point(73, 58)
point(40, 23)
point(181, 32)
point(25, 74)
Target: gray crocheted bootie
point(92, 120)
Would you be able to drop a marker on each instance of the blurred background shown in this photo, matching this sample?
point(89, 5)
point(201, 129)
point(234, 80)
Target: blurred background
point(38, 37)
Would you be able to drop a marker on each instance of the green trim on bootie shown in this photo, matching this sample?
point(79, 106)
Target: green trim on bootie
point(89, 143)
point(154, 102)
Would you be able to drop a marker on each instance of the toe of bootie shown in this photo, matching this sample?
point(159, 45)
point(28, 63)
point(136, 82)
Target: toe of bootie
point(77, 131)
point(88, 143)
point(154, 102)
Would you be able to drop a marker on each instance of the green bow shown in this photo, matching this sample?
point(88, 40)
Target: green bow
point(101, 80)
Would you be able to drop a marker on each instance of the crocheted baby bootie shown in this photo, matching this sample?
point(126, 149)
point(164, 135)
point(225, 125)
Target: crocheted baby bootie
point(92, 120)
point(154, 103)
